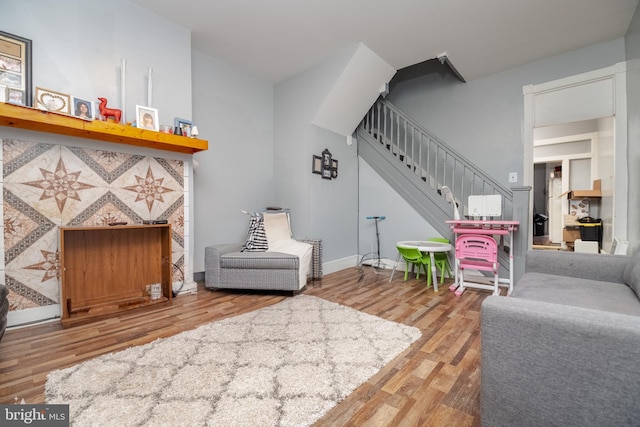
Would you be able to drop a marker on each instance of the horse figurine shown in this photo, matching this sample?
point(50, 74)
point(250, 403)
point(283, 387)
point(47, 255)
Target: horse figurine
point(108, 112)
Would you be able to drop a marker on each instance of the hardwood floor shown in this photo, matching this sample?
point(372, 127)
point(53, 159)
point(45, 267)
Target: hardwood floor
point(435, 382)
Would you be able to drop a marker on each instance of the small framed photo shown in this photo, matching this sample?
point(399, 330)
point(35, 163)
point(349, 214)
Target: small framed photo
point(83, 108)
point(147, 118)
point(15, 96)
point(183, 126)
point(316, 166)
point(50, 100)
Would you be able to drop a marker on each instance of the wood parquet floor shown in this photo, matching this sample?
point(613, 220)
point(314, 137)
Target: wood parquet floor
point(435, 382)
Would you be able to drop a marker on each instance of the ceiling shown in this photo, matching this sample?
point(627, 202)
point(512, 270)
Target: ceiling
point(277, 39)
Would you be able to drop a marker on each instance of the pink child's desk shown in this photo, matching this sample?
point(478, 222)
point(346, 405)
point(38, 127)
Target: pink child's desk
point(490, 228)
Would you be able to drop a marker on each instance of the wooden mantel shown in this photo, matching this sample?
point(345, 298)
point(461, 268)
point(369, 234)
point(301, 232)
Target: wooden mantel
point(45, 121)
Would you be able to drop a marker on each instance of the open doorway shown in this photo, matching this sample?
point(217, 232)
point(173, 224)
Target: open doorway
point(599, 98)
point(570, 157)
point(547, 187)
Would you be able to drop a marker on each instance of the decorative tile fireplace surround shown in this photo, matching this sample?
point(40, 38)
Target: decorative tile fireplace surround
point(46, 186)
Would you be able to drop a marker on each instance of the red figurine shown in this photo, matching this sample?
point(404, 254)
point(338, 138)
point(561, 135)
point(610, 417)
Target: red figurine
point(108, 112)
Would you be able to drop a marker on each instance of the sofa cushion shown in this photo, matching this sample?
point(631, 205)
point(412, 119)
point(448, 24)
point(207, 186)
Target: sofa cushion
point(259, 260)
point(605, 296)
point(302, 250)
point(631, 274)
point(277, 226)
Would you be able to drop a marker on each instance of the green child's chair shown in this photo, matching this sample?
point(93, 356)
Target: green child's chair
point(413, 256)
point(442, 262)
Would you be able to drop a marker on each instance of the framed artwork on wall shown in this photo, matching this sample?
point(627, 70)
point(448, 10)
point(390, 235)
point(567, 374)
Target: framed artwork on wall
point(15, 64)
point(49, 100)
point(316, 166)
point(147, 118)
point(325, 165)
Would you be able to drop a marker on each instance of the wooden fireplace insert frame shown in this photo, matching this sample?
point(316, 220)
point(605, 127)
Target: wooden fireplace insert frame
point(106, 269)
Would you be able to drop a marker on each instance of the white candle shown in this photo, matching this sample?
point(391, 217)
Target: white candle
point(123, 76)
point(149, 88)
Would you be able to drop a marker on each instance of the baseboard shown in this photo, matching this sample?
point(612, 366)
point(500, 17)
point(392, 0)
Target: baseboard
point(385, 263)
point(30, 316)
point(187, 288)
point(339, 264)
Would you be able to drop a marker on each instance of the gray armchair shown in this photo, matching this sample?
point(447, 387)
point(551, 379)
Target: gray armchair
point(270, 259)
point(563, 349)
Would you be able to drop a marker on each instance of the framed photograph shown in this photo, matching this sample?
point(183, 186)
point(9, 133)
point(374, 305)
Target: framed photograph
point(15, 64)
point(182, 126)
point(334, 168)
point(147, 118)
point(15, 96)
point(316, 166)
point(49, 100)
point(83, 108)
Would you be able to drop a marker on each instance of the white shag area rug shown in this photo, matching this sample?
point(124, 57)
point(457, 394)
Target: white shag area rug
point(283, 365)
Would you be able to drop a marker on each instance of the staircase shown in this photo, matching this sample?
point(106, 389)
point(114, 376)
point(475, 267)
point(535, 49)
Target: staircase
point(417, 164)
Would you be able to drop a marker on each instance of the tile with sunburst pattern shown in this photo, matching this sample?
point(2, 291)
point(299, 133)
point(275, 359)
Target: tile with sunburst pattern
point(46, 186)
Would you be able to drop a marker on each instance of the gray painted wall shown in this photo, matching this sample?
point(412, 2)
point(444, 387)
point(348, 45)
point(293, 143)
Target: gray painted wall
point(234, 111)
point(78, 47)
point(633, 116)
point(261, 142)
point(320, 208)
point(402, 222)
point(483, 119)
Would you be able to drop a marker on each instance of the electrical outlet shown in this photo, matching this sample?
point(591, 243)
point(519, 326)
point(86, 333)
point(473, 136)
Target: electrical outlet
point(513, 177)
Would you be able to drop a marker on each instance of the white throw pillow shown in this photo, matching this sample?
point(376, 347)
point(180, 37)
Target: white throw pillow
point(277, 226)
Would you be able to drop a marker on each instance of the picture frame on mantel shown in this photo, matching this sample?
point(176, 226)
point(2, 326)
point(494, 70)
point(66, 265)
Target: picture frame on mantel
point(15, 96)
point(50, 100)
point(182, 126)
point(16, 64)
point(83, 108)
point(147, 118)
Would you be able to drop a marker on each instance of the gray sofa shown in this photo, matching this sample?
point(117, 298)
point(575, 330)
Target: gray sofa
point(226, 267)
point(564, 348)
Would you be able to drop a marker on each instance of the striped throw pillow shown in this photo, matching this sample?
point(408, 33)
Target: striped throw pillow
point(256, 236)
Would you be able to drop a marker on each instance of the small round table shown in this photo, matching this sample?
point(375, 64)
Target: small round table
point(424, 246)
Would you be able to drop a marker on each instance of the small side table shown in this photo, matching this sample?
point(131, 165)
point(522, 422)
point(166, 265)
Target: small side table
point(424, 246)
